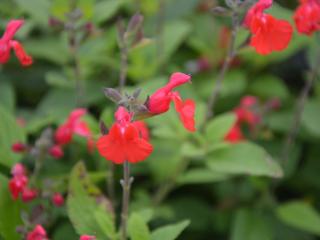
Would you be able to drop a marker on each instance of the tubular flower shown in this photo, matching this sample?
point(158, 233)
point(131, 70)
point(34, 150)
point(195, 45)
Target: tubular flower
point(307, 16)
point(87, 237)
point(29, 194)
point(7, 42)
point(123, 142)
point(159, 102)
point(268, 33)
point(234, 135)
point(57, 199)
point(73, 125)
point(18, 182)
point(38, 233)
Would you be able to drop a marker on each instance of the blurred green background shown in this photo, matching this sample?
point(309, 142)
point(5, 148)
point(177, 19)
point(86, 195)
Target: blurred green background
point(242, 199)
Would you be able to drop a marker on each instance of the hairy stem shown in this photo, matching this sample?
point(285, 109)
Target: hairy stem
point(159, 29)
point(38, 165)
point(110, 183)
point(126, 186)
point(123, 66)
point(294, 128)
point(231, 52)
point(74, 48)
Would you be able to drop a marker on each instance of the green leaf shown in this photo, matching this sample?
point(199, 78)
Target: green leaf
point(89, 211)
point(86, 7)
point(137, 228)
point(217, 128)
point(269, 87)
point(311, 117)
point(169, 232)
point(59, 8)
point(10, 212)
point(7, 97)
point(10, 133)
point(39, 10)
point(300, 215)
point(173, 35)
point(199, 176)
point(243, 158)
point(104, 10)
point(249, 225)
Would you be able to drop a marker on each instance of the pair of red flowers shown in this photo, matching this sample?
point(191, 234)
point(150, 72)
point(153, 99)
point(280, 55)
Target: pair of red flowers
point(271, 34)
point(7, 43)
point(125, 141)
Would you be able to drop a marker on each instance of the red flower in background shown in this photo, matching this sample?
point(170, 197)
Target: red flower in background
point(7, 42)
point(123, 142)
point(18, 182)
point(28, 194)
point(57, 199)
point(246, 114)
point(87, 237)
point(159, 102)
point(38, 233)
point(56, 151)
point(73, 125)
point(234, 135)
point(268, 33)
point(19, 147)
point(307, 16)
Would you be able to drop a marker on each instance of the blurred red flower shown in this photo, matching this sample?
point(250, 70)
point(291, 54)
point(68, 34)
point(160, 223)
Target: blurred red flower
point(38, 233)
point(307, 16)
point(268, 33)
point(7, 42)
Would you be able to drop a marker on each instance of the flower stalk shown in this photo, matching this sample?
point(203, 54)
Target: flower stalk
point(231, 53)
point(300, 105)
point(126, 183)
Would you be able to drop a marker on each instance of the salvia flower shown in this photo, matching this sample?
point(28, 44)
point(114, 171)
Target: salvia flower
point(7, 43)
point(234, 135)
point(307, 16)
point(29, 194)
point(19, 147)
point(73, 125)
point(159, 102)
point(38, 233)
point(56, 151)
point(123, 142)
point(87, 237)
point(18, 182)
point(268, 33)
point(57, 199)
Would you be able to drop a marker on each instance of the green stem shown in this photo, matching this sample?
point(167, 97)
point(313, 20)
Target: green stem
point(231, 52)
point(126, 186)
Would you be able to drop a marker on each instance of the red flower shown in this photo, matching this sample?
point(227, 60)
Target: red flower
point(38, 233)
point(29, 194)
point(18, 147)
point(56, 151)
point(307, 16)
point(18, 182)
point(7, 42)
point(87, 237)
point(17, 185)
point(73, 125)
point(268, 33)
point(57, 199)
point(123, 142)
point(159, 102)
point(142, 129)
point(234, 135)
point(186, 111)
